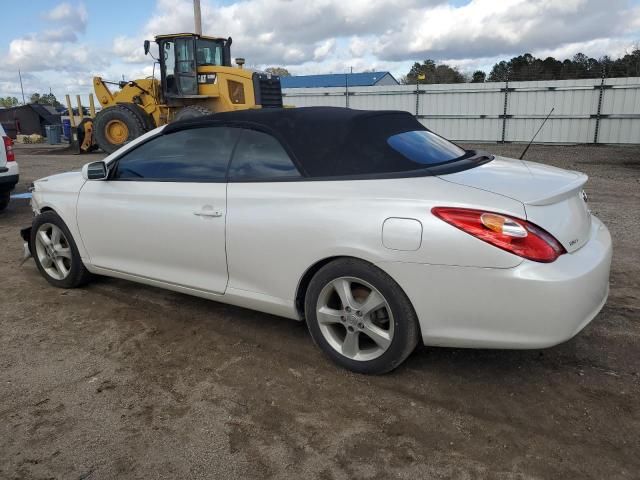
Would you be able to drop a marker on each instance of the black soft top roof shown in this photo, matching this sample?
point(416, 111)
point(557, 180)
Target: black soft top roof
point(326, 141)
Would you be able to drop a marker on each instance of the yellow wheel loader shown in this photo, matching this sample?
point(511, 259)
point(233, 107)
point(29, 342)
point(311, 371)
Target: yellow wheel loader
point(196, 78)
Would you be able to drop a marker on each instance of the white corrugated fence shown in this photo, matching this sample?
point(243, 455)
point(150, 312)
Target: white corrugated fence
point(585, 110)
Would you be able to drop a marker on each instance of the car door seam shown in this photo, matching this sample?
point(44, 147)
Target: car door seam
point(84, 245)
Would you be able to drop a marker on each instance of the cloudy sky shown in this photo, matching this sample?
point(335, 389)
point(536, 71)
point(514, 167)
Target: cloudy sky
point(60, 45)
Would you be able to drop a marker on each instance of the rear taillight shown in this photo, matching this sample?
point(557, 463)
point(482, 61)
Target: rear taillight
point(514, 235)
point(8, 147)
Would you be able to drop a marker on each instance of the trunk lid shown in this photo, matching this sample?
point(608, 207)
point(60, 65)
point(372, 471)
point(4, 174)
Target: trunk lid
point(553, 198)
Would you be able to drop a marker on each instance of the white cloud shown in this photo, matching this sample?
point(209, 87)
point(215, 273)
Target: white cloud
point(333, 35)
point(129, 49)
point(505, 27)
point(296, 32)
point(55, 48)
point(70, 15)
point(324, 49)
point(634, 16)
point(359, 46)
point(54, 58)
point(32, 54)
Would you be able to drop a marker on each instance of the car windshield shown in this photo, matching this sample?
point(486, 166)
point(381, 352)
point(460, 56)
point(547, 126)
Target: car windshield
point(425, 147)
point(209, 52)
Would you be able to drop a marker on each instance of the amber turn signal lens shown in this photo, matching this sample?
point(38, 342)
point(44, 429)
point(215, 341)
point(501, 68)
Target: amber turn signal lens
point(503, 225)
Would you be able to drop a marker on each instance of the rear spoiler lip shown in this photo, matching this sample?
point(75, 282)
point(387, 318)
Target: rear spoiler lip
point(561, 193)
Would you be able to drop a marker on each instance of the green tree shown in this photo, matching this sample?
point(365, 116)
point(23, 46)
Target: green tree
point(429, 72)
point(626, 66)
point(528, 67)
point(46, 99)
point(500, 72)
point(280, 71)
point(8, 102)
point(478, 77)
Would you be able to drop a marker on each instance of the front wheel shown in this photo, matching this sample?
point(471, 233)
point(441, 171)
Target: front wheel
point(116, 125)
point(55, 252)
point(360, 317)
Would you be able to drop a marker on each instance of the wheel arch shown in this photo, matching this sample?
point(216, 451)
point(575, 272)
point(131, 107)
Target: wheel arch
point(70, 223)
point(303, 283)
point(49, 208)
point(305, 280)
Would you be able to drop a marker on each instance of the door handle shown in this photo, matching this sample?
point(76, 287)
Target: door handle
point(208, 213)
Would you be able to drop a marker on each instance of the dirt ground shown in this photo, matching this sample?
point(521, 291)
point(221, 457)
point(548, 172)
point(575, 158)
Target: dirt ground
point(118, 380)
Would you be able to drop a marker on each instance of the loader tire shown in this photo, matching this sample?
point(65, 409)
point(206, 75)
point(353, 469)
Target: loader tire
point(192, 111)
point(115, 126)
point(85, 128)
point(145, 118)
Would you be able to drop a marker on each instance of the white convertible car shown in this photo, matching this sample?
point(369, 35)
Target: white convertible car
point(375, 231)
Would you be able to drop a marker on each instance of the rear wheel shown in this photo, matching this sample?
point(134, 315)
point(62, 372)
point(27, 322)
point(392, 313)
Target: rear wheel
point(115, 126)
point(360, 317)
point(55, 252)
point(192, 111)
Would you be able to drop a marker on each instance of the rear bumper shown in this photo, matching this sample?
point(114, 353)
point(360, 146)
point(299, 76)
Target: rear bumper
point(7, 182)
point(533, 305)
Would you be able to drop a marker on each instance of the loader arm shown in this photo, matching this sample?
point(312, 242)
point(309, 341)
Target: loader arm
point(103, 94)
point(142, 93)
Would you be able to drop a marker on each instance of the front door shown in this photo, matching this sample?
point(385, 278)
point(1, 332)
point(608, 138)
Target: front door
point(161, 214)
point(179, 70)
point(186, 70)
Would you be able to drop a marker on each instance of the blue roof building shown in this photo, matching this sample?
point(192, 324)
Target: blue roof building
point(364, 79)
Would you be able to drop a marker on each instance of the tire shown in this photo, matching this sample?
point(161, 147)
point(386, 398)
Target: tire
point(192, 111)
point(117, 118)
point(144, 117)
point(77, 274)
point(393, 324)
point(82, 129)
point(5, 197)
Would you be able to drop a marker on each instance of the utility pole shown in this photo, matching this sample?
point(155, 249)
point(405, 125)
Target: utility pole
point(21, 88)
point(197, 17)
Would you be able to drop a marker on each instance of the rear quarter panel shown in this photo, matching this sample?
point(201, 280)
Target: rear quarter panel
point(277, 230)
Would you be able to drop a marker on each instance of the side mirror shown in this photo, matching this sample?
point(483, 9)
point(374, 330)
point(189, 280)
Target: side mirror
point(95, 171)
point(147, 45)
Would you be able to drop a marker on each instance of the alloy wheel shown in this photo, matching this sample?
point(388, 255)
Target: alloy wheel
point(355, 318)
point(53, 251)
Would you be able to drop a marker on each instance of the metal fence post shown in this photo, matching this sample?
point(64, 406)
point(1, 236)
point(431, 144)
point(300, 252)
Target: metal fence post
point(346, 90)
point(417, 98)
point(599, 111)
point(504, 112)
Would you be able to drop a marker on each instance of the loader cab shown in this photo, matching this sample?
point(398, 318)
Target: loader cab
point(180, 58)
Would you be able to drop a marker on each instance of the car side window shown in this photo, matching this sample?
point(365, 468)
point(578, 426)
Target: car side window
point(193, 155)
point(259, 156)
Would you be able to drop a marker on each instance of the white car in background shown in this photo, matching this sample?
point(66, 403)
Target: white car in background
point(9, 172)
point(375, 231)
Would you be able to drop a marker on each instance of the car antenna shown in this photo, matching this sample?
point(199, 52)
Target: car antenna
point(536, 134)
